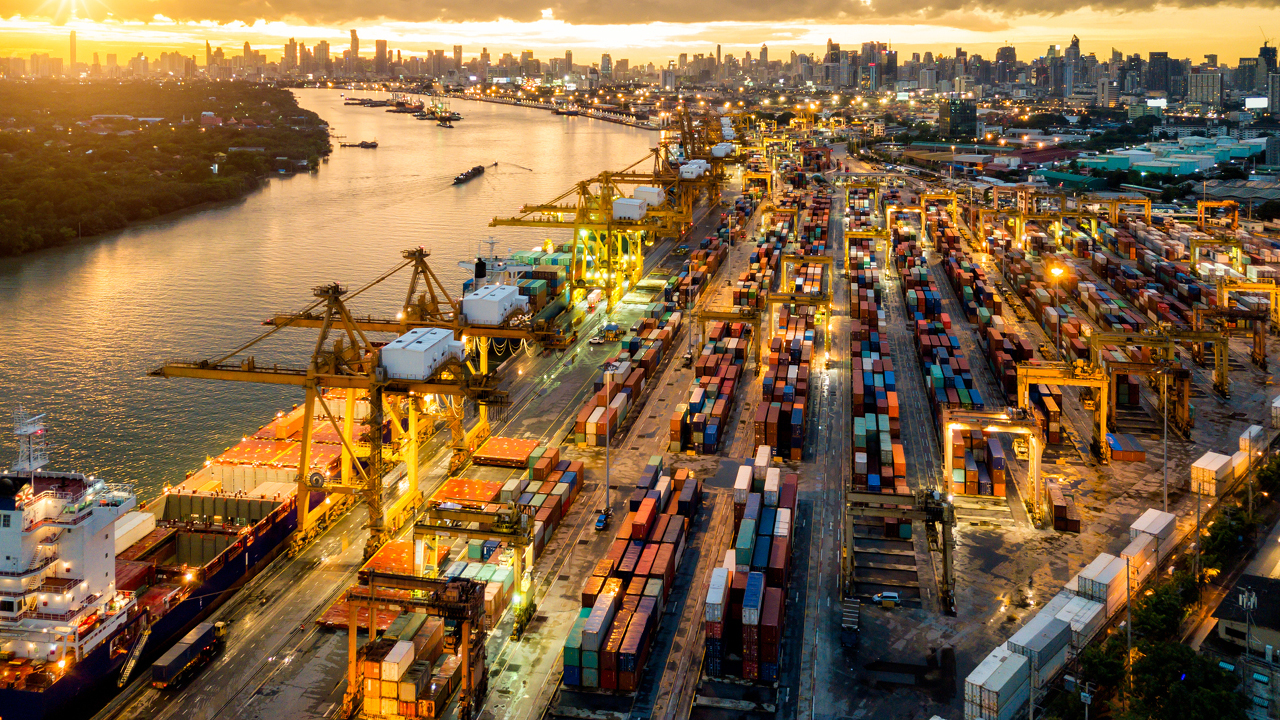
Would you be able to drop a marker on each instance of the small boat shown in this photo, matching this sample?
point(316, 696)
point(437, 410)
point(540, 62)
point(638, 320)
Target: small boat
point(367, 144)
point(566, 111)
point(444, 123)
point(471, 174)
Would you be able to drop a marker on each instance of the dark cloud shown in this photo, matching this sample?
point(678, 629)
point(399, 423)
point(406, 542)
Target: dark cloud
point(337, 12)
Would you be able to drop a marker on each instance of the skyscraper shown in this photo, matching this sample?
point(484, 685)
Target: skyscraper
point(380, 58)
point(1006, 60)
point(1205, 88)
point(1070, 65)
point(457, 58)
point(1273, 94)
point(764, 62)
point(322, 56)
point(606, 65)
point(958, 118)
point(568, 61)
point(290, 55)
point(355, 44)
point(1267, 56)
point(73, 52)
point(208, 54)
point(1158, 72)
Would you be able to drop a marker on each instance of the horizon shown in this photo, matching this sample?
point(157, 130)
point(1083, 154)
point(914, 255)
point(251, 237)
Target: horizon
point(658, 42)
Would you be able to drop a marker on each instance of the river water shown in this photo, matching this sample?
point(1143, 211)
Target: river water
point(81, 326)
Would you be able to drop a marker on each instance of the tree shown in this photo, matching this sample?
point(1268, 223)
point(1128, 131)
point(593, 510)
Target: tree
point(1158, 616)
point(1232, 172)
point(1226, 538)
point(1172, 682)
point(1103, 663)
point(1269, 210)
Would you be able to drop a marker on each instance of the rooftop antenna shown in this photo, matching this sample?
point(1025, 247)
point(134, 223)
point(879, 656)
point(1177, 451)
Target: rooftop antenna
point(33, 453)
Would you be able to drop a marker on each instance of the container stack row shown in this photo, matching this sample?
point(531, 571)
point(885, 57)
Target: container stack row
point(701, 423)
point(780, 417)
point(978, 463)
point(746, 598)
point(623, 599)
point(879, 461)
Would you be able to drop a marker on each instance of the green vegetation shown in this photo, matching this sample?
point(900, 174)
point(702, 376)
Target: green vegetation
point(64, 176)
point(1173, 682)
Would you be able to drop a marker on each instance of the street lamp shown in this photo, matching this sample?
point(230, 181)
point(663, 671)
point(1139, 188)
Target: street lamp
point(609, 367)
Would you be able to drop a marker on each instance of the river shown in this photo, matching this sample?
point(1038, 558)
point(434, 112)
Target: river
point(83, 325)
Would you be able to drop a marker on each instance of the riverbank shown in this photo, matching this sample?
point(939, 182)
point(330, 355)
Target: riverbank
point(593, 114)
point(78, 161)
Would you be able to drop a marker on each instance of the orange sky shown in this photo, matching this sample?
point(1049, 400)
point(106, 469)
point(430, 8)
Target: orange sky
point(1229, 31)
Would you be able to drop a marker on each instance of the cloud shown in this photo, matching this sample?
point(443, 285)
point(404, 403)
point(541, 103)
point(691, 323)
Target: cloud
point(589, 12)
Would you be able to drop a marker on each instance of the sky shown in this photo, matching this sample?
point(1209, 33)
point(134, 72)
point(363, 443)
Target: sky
point(647, 31)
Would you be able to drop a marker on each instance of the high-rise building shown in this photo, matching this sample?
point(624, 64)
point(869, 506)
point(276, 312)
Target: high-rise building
point(1267, 56)
point(684, 60)
point(717, 57)
point(1211, 60)
point(928, 79)
point(764, 63)
point(290, 55)
point(568, 61)
point(606, 64)
point(1272, 154)
point(957, 118)
point(1273, 93)
point(1006, 61)
point(1205, 88)
point(73, 52)
point(380, 57)
point(322, 56)
point(1070, 66)
point(208, 54)
point(355, 44)
point(1158, 72)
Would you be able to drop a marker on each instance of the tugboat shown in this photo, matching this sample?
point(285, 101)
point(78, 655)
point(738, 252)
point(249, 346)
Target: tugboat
point(471, 174)
point(366, 144)
point(444, 123)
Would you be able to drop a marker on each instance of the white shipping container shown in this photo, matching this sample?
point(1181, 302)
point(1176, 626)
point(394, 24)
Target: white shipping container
point(772, 483)
point(1107, 586)
point(742, 485)
point(1041, 638)
point(1157, 523)
point(137, 525)
point(764, 454)
point(998, 682)
point(782, 523)
point(1041, 676)
point(1141, 554)
point(1086, 618)
point(1240, 463)
point(717, 595)
point(397, 661)
point(1251, 439)
point(1275, 412)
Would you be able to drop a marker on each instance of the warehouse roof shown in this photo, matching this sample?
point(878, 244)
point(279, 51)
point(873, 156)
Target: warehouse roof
point(1243, 189)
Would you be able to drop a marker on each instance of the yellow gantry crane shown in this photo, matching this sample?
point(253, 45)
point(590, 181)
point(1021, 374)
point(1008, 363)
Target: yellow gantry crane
point(1078, 374)
point(607, 249)
point(343, 358)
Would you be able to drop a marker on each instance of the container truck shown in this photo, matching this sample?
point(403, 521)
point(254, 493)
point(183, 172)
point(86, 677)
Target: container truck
point(188, 655)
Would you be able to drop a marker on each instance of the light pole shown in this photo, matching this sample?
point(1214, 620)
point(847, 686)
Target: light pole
point(609, 367)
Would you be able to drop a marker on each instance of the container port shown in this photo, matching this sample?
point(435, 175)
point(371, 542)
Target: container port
point(751, 436)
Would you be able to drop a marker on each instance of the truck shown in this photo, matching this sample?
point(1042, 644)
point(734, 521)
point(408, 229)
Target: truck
point(185, 659)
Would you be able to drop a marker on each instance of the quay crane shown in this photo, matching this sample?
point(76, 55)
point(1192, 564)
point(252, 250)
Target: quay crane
point(345, 359)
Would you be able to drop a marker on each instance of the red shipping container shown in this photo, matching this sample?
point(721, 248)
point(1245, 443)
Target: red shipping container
point(659, 528)
point(645, 566)
point(715, 630)
point(771, 616)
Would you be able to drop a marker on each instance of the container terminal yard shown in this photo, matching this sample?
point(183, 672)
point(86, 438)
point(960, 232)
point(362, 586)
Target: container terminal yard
point(762, 430)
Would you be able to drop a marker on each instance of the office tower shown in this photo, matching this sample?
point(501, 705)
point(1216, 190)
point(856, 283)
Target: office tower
point(208, 54)
point(380, 57)
point(73, 52)
point(621, 68)
point(568, 61)
point(1267, 56)
point(355, 44)
point(717, 56)
point(96, 69)
point(1006, 60)
point(1273, 93)
point(764, 62)
point(957, 118)
point(290, 55)
point(1205, 88)
point(1211, 60)
point(1070, 66)
point(928, 79)
point(606, 65)
point(889, 75)
point(928, 58)
point(684, 60)
point(915, 57)
point(322, 55)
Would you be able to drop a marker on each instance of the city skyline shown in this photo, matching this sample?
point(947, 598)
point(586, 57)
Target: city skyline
point(1230, 32)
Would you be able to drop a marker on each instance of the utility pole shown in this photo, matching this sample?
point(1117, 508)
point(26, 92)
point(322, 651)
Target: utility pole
point(1164, 386)
point(608, 386)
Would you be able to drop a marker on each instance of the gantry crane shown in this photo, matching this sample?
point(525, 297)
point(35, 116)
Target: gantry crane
point(1228, 321)
point(1018, 421)
point(1226, 286)
point(608, 252)
point(465, 519)
point(1204, 213)
point(460, 602)
point(1113, 205)
point(429, 304)
point(927, 506)
point(1165, 338)
point(1078, 374)
point(344, 358)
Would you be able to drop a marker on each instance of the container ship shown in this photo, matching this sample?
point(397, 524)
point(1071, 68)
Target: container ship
point(93, 589)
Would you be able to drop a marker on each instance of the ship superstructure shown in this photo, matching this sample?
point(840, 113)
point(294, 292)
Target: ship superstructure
point(58, 596)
